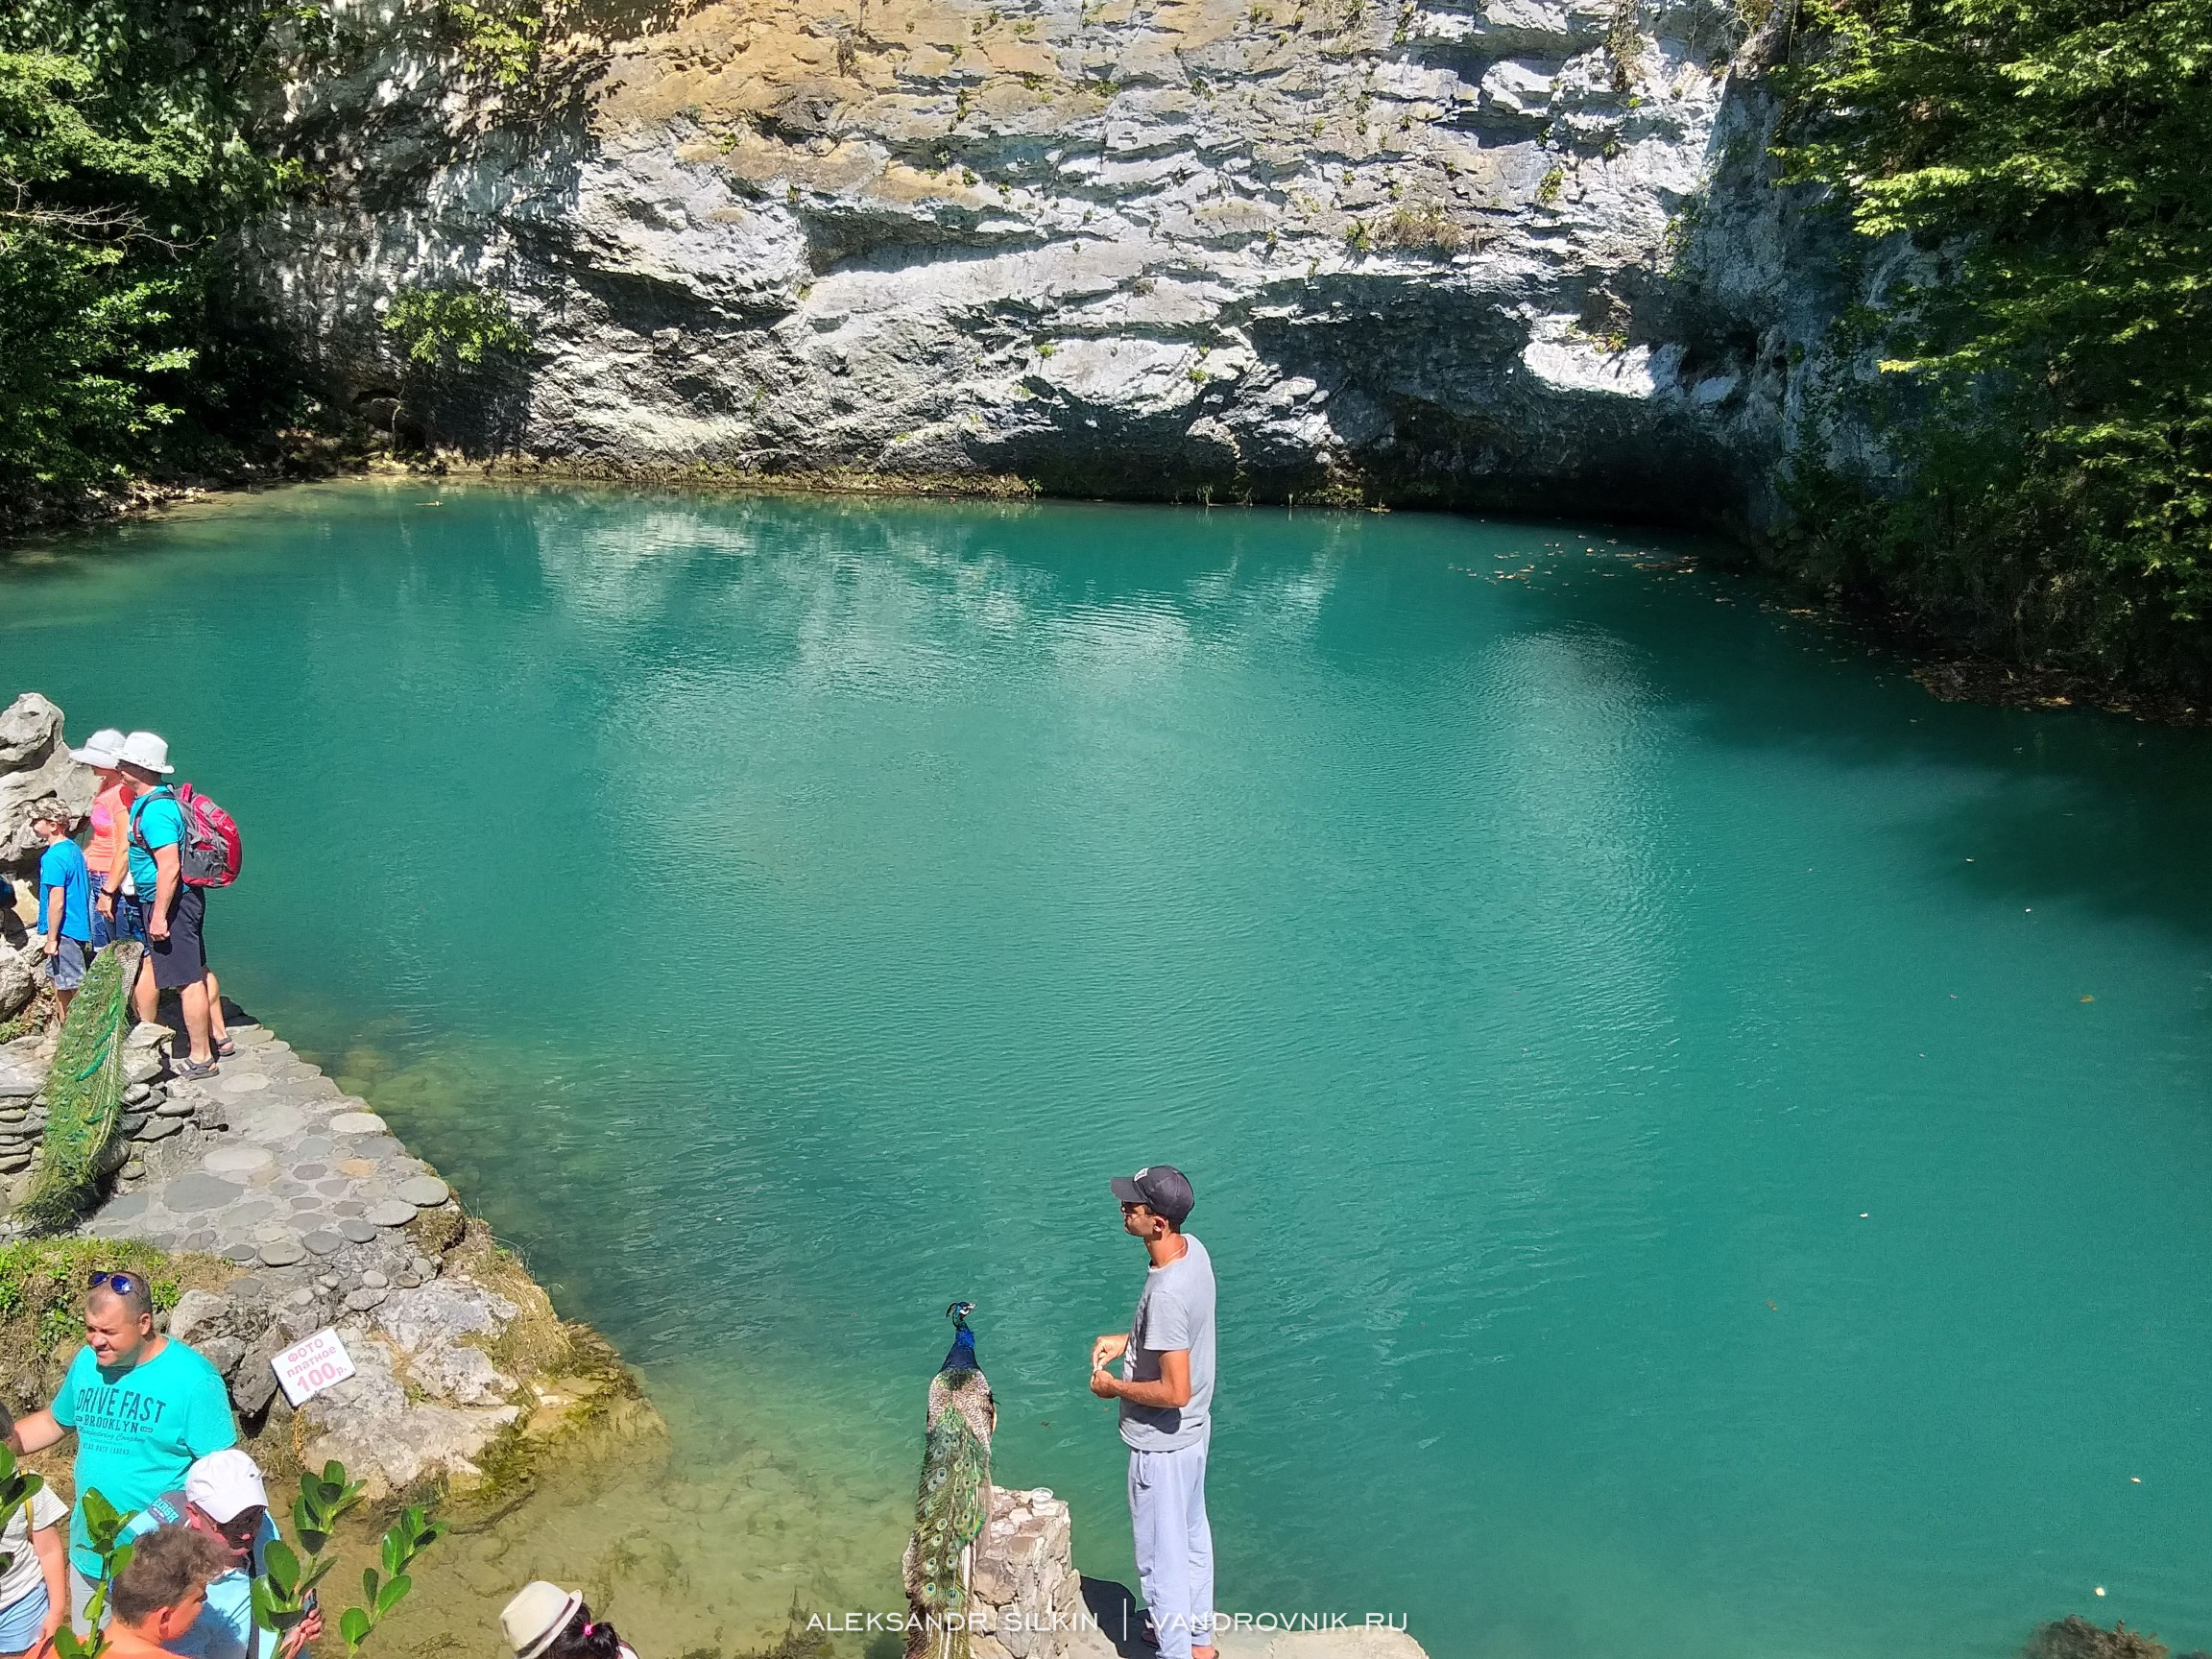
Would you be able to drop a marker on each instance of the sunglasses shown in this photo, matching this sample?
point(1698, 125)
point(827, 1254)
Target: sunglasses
point(122, 1284)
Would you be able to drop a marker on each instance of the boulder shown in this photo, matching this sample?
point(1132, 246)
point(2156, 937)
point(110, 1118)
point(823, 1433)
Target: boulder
point(253, 1384)
point(20, 975)
point(34, 765)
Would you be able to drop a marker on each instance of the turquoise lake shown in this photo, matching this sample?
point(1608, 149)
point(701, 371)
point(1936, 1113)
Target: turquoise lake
point(1707, 1149)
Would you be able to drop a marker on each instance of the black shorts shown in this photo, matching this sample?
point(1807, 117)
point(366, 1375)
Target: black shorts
point(181, 958)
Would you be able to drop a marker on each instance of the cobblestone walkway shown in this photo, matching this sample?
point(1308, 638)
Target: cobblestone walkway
point(280, 1166)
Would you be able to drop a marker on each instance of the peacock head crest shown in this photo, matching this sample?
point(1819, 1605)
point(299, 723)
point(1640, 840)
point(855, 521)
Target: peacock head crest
point(958, 1314)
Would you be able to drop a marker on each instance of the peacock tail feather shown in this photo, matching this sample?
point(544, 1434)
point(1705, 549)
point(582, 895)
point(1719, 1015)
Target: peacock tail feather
point(83, 1093)
point(950, 1511)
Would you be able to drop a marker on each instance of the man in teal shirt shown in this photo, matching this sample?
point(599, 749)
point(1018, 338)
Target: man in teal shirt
point(142, 1406)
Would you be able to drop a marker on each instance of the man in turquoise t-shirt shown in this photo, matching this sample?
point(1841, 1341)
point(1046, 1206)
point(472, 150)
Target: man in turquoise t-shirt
point(143, 1409)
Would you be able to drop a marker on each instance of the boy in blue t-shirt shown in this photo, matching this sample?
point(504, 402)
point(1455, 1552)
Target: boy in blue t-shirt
point(64, 903)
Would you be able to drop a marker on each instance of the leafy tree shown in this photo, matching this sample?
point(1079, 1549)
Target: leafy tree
point(2045, 384)
point(450, 337)
point(126, 160)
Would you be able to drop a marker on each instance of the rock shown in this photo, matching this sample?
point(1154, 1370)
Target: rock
point(391, 1213)
point(19, 976)
point(462, 1375)
point(159, 1128)
point(201, 1314)
point(366, 1298)
point(223, 1353)
point(147, 1034)
point(253, 1384)
point(235, 1161)
point(172, 1106)
point(384, 1439)
point(424, 1190)
point(300, 1298)
point(322, 1241)
point(356, 1124)
point(374, 1280)
point(130, 1123)
point(136, 1092)
point(355, 1230)
point(285, 1250)
point(195, 1190)
point(141, 1066)
point(439, 1314)
point(34, 765)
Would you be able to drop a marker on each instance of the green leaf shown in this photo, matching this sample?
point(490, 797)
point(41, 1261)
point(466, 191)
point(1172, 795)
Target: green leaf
point(393, 1595)
point(354, 1625)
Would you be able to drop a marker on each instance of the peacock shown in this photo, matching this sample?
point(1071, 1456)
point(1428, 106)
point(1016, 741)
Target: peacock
point(954, 1501)
point(83, 1093)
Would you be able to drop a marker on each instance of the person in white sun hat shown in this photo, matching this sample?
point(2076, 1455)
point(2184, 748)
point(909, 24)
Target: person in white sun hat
point(176, 910)
point(545, 1622)
point(223, 1496)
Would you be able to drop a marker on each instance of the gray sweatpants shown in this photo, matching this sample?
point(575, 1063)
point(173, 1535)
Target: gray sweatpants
point(1175, 1545)
point(80, 1590)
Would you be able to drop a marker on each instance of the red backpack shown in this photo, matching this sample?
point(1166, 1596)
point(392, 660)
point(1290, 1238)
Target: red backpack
point(210, 852)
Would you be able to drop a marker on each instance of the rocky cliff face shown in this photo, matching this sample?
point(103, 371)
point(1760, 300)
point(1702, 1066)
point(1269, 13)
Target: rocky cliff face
point(1512, 253)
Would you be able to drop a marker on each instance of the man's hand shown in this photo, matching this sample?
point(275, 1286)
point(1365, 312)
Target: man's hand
point(1105, 1384)
point(106, 903)
point(308, 1629)
point(156, 926)
point(54, 1617)
point(1107, 1349)
point(53, 946)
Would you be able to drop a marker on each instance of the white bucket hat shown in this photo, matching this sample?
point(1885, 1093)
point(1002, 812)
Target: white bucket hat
point(103, 748)
point(539, 1613)
point(145, 748)
point(224, 1485)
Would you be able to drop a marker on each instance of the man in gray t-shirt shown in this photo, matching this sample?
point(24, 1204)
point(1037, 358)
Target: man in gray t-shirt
point(1166, 1394)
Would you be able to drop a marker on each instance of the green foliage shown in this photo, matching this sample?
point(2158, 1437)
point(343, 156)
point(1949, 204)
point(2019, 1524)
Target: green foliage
point(453, 328)
point(83, 1093)
point(124, 159)
point(2046, 371)
point(281, 1591)
point(500, 41)
point(104, 1525)
point(40, 1276)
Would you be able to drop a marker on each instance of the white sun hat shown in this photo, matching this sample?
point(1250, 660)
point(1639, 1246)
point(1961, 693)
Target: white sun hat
point(145, 748)
point(103, 748)
point(539, 1613)
point(224, 1485)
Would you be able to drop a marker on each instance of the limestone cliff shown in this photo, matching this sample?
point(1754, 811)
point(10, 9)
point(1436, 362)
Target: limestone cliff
point(1514, 254)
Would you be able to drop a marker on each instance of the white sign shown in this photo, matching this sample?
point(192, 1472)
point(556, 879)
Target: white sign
point(306, 1368)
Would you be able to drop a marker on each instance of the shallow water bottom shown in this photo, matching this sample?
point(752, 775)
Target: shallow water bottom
point(701, 1542)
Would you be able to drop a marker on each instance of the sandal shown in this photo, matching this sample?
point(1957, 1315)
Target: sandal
point(195, 1070)
point(225, 1048)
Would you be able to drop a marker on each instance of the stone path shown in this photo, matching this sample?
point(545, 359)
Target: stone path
point(280, 1167)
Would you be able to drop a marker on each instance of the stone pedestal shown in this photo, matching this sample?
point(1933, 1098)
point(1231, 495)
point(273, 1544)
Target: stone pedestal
point(1027, 1600)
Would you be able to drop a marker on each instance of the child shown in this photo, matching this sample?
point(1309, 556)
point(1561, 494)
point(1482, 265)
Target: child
point(64, 903)
point(159, 1595)
point(35, 1589)
point(545, 1622)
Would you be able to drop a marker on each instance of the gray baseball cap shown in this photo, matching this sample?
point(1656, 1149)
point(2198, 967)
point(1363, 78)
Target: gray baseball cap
point(1161, 1188)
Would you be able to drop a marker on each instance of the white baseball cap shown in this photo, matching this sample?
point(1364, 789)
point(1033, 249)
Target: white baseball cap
point(104, 748)
point(145, 748)
point(224, 1485)
point(539, 1613)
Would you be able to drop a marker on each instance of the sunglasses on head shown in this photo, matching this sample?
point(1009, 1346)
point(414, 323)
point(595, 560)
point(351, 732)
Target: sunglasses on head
point(122, 1284)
